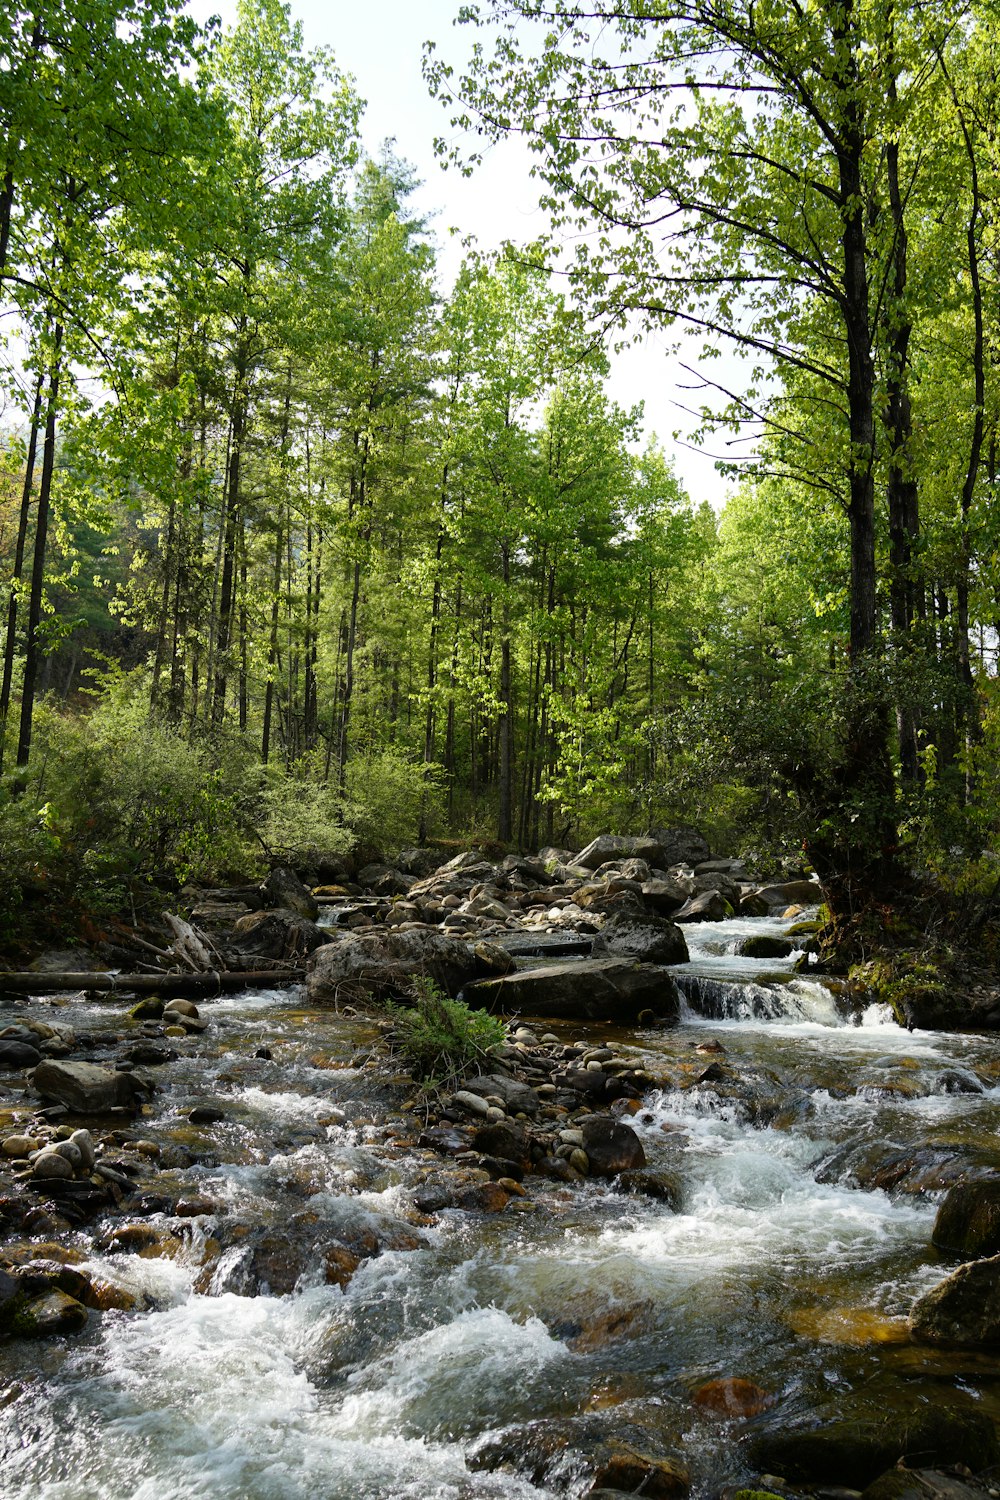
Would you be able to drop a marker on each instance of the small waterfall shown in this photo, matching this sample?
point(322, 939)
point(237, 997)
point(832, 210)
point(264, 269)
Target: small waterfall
point(797, 1000)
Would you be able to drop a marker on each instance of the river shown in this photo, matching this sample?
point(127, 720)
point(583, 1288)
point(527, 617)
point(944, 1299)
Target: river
point(577, 1311)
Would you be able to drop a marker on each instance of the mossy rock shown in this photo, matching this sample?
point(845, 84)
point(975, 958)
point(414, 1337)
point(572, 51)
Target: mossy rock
point(150, 1009)
point(802, 929)
point(763, 945)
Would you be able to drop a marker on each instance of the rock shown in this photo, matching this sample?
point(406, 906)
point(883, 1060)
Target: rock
point(505, 1141)
point(472, 1103)
point(419, 862)
point(752, 905)
point(278, 934)
point(854, 1450)
point(733, 1397)
point(681, 845)
point(611, 1147)
point(20, 1146)
point(663, 1187)
point(925, 1484)
point(205, 1114)
point(762, 945)
point(86, 1089)
point(962, 1310)
point(708, 906)
point(667, 894)
point(284, 888)
point(84, 1143)
point(52, 1165)
point(613, 846)
point(599, 1329)
point(648, 940)
point(14, 1055)
point(181, 1008)
point(635, 1473)
point(805, 892)
point(968, 1221)
point(48, 1316)
point(485, 1198)
point(594, 989)
point(518, 1097)
point(380, 963)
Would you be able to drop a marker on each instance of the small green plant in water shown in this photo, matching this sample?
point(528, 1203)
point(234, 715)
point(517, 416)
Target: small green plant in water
point(441, 1039)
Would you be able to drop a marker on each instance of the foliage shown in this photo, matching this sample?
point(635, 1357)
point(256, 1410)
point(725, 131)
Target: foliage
point(389, 795)
point(441, 1039)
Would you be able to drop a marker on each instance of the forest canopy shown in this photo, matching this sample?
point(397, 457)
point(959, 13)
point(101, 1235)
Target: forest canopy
point(304, 549)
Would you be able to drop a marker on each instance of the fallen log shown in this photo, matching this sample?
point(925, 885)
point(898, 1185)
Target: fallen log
point(169, 985)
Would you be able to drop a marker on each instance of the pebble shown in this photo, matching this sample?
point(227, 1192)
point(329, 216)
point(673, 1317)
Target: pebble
point(51, 1164)
point(580, 1160)
point(472, 1103)
point(20, 1145)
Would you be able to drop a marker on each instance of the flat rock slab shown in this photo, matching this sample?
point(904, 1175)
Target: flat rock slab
point(86, 1088)
point(544, 944)
point(590, 989)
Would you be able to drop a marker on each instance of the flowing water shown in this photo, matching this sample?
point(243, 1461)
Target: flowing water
point(577, 1310)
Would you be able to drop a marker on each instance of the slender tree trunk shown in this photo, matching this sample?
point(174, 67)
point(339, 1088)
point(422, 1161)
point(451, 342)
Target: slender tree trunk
point(33, 640)
point(10, 643)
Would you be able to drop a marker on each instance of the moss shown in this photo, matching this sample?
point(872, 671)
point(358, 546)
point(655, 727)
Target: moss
point(804, 929)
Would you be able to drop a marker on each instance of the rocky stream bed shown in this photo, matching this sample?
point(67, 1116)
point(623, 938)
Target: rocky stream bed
point(694, 1230)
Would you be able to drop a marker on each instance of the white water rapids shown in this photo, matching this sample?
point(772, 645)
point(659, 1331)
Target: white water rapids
point(389, 1389)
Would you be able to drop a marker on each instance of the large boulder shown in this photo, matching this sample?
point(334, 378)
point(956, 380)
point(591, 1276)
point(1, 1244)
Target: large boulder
point(277, 934)
point(667, 892)
point(708, 906)
point(611, 1146)
point(420, 862)
point(591, 989)
point(616, 846)
point(682, 845)
point(646, 939)
point(968, 1221)
point(384, 962)
point(963, 1310)
point(853, 1450)
point(284, 888)
point(85, 1088)
point(792, 893)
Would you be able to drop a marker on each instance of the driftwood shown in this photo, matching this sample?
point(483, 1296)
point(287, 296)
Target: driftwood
point(168, 985)
point(192, 947)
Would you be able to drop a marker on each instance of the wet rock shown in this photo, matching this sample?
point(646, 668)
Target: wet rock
point(205, 1114)
point(646, 939)
point(762, 945)
point(15, 1055)
point(611, 1146)
point(752, 905)
point(85, 1088)
point(380, 963)
point(854, 1451)
point(732, 1397)
point(968, 1221)
point(473, 1104)
point(444, 1139)
point(51, 1315)
point(518, 1098)
point(963, 1310)
point(148, 1241)
point(284, 888)
point(925, 1484)
point(504, 1140)
point(485, 1198)
point(278, 934)
point(680, 845)
point(599, 1329)
point(709, 906)
point(636, 1473)
point(51, 1165)
point(597, 989)
point(662, 1187)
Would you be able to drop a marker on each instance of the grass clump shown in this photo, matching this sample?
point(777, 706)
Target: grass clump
point(440, 1040)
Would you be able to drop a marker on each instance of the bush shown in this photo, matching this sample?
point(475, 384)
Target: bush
point(441, 1039)
point(389, 797)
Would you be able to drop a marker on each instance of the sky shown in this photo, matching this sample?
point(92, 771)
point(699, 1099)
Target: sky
point(380, 44)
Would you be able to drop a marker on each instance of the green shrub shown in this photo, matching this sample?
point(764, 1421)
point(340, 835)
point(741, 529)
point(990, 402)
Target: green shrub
point(440, 1039)
point(389, 796)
